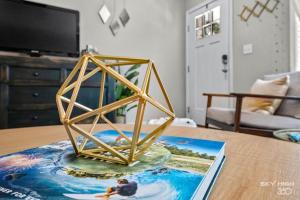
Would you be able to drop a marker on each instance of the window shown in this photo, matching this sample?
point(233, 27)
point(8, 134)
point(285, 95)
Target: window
point(208, 23)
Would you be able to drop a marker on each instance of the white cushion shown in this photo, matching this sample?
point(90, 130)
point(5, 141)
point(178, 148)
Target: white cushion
point(269, 121)
point(276, 87)
point(251, 119)
point(289, 107)
point(225, 115)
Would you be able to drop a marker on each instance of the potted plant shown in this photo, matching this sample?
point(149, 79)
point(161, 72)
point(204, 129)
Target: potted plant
point(121, 92)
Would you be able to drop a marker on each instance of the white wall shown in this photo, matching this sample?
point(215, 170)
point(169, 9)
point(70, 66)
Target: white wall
point(155, 31)
point(269, 35)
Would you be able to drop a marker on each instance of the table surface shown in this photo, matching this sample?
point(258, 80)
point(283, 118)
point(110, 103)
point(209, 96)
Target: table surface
point(256, 167)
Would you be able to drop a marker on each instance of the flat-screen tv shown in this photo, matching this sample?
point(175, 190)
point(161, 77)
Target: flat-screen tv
point(38, 29)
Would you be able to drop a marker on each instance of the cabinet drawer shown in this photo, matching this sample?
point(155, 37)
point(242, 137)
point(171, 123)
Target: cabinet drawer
point(22, 73)
point(32, 95)
point(46, 95)
point(32, 118)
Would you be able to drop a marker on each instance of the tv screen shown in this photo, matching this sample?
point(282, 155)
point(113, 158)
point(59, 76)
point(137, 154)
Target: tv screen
point(31, 27)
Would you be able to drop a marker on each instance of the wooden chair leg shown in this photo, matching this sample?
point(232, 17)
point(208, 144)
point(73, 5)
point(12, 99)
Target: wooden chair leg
point(209, 99)
point(238, 110)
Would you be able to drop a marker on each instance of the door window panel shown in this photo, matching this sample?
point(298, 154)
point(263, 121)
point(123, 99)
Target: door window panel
point(208, 23)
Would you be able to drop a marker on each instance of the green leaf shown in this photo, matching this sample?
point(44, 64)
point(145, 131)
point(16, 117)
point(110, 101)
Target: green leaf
point(131, 107)
point(121, 91)
point(134, 67)
point(132, 75)
point(118, 91)
point(123, 97)
point(127, 92)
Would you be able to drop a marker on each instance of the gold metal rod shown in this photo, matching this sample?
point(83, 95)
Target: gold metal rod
point(137, 128)
point(117, 76)
point(124, 147)
point(100, 143)
point(77, 87)
point(102, 84)
point(60, 108)
point(81, 147)
point(102, 157)
point(159, 106)
point(76, 104)
point(147, 137)
point(152, 139)
point(125, 63)
point(71, 75)
point(108, 57)
point(71, 138)
point(148, 84)
point(163, 89)
point(106, 108)
point(85, 77)
point(116, 128)
point(147, 77)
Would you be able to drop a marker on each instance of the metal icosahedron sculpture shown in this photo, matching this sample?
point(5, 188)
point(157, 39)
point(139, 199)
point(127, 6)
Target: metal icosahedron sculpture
point(135, 146)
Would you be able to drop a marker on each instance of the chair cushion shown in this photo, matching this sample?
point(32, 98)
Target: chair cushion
point(225, 115)
point(277, 87)
point(289, 107)
point(251, 119)
point(273, 122)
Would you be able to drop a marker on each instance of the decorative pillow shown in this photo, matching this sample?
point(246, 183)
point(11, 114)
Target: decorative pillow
point(276, 87)
point(289, 108)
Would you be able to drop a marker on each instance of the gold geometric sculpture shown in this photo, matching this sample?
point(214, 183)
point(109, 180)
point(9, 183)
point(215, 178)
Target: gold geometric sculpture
point(135, 146)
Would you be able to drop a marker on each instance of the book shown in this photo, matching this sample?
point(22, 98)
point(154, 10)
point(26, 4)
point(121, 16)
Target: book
point(173, 168)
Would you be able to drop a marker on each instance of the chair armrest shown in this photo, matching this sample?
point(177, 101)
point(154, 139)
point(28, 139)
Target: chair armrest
point(242, 95)
point(238, 107)
point(218, 95)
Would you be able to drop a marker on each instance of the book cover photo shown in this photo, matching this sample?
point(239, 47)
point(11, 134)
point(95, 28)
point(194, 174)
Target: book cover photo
point(174, 168)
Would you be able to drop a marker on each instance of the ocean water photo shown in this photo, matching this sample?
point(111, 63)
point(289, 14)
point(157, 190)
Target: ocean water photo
point(172, 169)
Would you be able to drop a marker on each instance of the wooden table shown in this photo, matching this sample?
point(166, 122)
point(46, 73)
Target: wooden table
point(256, 167)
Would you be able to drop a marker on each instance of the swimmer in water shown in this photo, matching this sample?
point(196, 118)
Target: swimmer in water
point(124, 188)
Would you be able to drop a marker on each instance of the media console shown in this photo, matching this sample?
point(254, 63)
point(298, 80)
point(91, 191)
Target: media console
point(28, 86)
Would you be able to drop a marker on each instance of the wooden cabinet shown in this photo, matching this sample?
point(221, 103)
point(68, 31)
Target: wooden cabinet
point(28, 86)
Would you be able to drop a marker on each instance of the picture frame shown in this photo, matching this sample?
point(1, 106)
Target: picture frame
point(124, 17)
point(115, 27)
point(104, 13)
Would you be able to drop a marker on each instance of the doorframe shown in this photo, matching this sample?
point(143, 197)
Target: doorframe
point(230, 50)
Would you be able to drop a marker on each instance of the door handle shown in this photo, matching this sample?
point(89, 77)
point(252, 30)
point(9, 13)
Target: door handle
point(225, 62)
point(224, 70)
point(225, 59)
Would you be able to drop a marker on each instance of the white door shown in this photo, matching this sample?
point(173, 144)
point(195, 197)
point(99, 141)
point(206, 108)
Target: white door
point(207, 55)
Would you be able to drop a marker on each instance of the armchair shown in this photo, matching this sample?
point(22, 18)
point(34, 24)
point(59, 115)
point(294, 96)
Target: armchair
point(247, 122)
